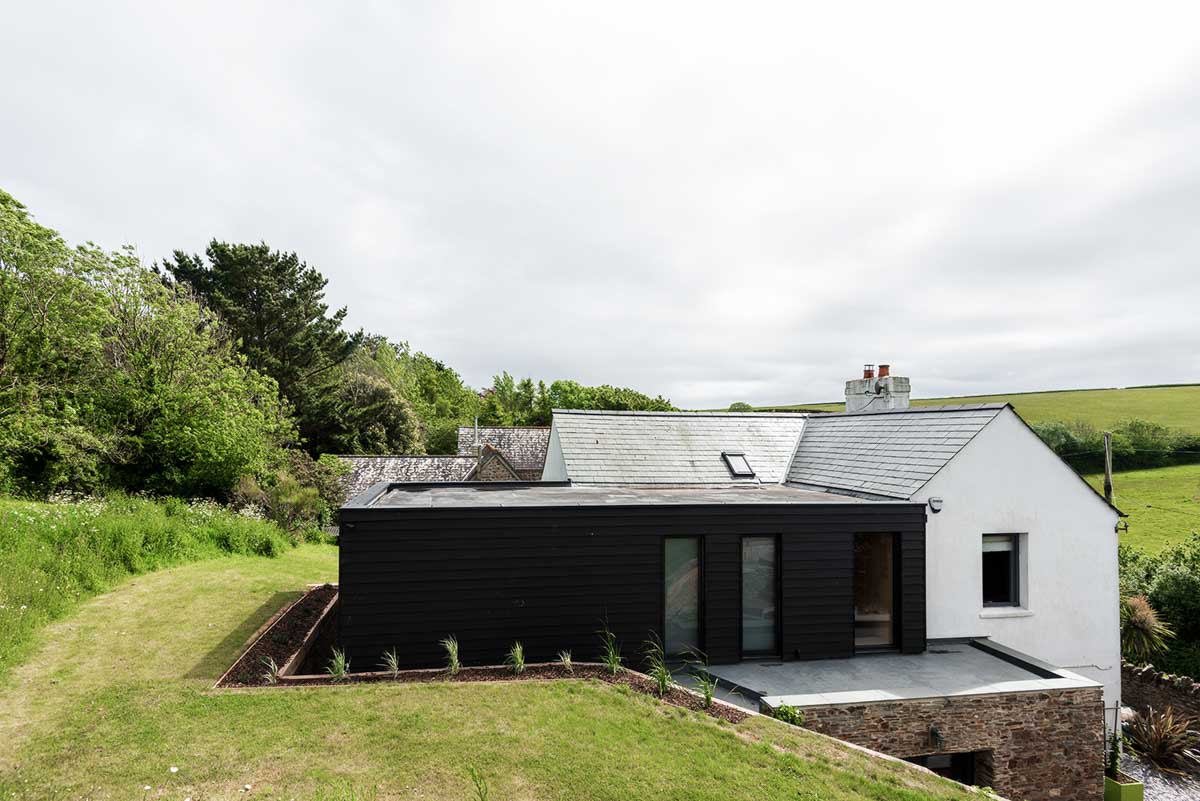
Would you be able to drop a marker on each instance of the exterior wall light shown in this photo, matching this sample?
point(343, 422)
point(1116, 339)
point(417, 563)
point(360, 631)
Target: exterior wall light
point(935, 505)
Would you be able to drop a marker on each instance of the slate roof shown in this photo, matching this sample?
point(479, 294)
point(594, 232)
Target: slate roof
point(674, 448)
point(523, 447)
point(887, 454)
point(368, 470)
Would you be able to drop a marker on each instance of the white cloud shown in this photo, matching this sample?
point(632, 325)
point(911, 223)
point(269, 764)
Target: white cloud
point(713, 205)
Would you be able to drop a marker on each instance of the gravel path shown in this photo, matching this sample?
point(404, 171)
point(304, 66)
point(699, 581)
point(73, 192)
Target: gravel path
point(1160, 786)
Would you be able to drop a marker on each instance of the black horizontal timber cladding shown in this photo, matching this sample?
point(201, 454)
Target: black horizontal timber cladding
point(551, 577)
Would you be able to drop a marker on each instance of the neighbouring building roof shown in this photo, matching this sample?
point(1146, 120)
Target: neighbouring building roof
point(648, 448)
point(888, 454)
point(368, 470)
point(523, 447)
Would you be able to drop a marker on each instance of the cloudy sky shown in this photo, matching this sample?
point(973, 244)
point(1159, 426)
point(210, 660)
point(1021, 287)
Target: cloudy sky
point(737, 204)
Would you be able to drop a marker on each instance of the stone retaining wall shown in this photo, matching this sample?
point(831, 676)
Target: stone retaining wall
point(1144, 686)
point(1044, 745)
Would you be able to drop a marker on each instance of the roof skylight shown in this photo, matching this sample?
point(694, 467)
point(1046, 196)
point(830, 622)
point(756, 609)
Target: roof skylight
point(737, 464)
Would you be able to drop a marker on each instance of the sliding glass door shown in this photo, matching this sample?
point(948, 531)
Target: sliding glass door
point(681, 594)
point(760, 582)
point(874, 591)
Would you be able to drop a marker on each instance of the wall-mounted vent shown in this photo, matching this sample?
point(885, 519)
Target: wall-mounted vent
point(737, 464)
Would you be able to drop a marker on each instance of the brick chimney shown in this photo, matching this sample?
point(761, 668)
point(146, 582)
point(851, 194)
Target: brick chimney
point(870, 394)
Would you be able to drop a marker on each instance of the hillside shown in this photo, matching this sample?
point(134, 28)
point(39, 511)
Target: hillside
point(1163, 504)
point(1174, 406)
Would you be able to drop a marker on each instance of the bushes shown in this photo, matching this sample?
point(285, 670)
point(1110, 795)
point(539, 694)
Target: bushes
point(58, 554)
point(1170, 581)
point(1135, 444)
point(1175, 593)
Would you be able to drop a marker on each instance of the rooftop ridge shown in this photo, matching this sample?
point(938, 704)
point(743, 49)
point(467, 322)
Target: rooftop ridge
point(952, 407)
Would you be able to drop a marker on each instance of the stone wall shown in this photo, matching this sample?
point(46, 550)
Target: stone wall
point(1044, 745)
point(1144, 686)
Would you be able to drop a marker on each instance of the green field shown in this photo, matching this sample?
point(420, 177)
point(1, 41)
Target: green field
point(118, 692)
point(1163, 504)
point(1177, 406)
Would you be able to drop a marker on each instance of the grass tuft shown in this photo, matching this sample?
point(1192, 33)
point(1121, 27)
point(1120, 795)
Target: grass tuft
point(656, 663)
point(339, 666)
point(450, 646)
point(516, 658)
point(391, 662)
point(479, 782)
point(564, 661)
point(705, 681)
point(610, 650)
point(271, 674)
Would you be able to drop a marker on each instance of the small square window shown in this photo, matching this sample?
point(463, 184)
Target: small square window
point(1001, 570)
point(737, 464)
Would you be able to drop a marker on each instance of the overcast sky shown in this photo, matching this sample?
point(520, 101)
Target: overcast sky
point(744, 204)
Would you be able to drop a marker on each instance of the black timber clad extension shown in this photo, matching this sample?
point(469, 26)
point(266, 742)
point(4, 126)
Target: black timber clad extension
point(550, 577)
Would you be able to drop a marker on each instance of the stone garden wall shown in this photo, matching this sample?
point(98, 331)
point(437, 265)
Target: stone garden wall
point(1144, 686)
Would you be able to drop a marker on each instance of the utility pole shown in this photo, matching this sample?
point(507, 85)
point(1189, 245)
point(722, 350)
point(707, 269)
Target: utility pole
point(1108, 466)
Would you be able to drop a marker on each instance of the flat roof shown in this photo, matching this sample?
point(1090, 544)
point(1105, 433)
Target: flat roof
point(483, 495)
point(945, 669)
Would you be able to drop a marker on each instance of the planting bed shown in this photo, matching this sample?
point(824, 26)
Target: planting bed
point(299, 638)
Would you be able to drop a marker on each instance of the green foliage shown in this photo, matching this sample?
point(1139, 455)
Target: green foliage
point(1175, 593)
point(1143, 635)
point(789, 714)
point(740, 406)
point(56, 555)
point(655, 658)
point(1165, 738)
point(704, 680)
point(513, 402)
point(271, 674)
point(339, 666)
point(391, 662)
point(110, 378)
point(1135, 444)
point(1112, 760)
point(275, 305)
point(479, 783)
point(610, 650)
point(564, 661)
point(450, 646)
point(516, 658)
point(1181, 659)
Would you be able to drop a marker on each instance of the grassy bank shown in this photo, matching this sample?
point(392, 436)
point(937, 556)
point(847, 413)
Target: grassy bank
point(1176, 407)
point(120, 693)
point(52, 556)
point(1163, 504)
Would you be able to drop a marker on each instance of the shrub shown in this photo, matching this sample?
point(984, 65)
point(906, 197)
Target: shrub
point(339, 666)
point(1175, 593)
point(564, 661)
point(1143, 635)
point(610, 650)
point(1181, 659)
point(1112, 759)
point(391, 663)
point(788, 714)
point(1165, 739)
point(656, 663)
point(516, 658)
point(740, 406)
point(450, 646)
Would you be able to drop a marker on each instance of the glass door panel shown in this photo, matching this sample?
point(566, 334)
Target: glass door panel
point(874, 591)
point(681, 594)
point(759, 602)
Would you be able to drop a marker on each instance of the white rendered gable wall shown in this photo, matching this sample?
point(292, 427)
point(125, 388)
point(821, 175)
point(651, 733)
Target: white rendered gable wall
point(555, 468)
point(1005, 481)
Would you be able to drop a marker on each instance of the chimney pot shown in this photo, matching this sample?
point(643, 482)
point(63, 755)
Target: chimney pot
point(884, 370)
point(868, 371)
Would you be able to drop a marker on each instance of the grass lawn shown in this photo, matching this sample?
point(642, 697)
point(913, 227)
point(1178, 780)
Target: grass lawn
point(117, 693)
point(1177, 407)
point(1163, 504)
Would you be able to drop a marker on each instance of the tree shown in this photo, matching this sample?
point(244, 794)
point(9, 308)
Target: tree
point(740, 406)
point(275, 305)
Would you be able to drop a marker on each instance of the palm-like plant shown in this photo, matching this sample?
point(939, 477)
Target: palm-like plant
point(1166, 739)
point(391, 662)
point(516, 658)
point(450, 646)
point(1143, 635)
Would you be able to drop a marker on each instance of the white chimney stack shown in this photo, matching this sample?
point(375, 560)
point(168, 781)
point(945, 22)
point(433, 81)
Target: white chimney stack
point(884, 393)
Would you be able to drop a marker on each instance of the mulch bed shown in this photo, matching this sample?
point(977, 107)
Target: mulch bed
point(285, 636)
point(282, 639)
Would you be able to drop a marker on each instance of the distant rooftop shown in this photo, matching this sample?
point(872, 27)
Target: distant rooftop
point(523, 446)
point(546, 494)
point(675, 448)
point(367, 471)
